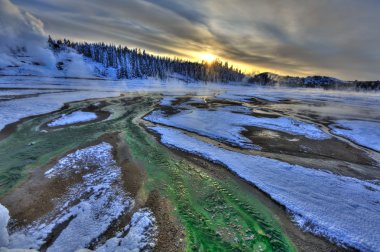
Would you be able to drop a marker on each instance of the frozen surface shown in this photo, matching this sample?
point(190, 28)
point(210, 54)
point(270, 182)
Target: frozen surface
point(75, 117)
point(301, 94)
point(4, 218)
point(89, 207)
point(167, 100)
point(227, 126)
point(14, 110)
point(12, 92)
point(343, 209)
point(364, 133)
point(140, 235)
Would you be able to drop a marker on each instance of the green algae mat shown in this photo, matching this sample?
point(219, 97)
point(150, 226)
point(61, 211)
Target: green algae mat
point(217, 213)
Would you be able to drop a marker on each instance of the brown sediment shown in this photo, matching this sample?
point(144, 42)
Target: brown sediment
point(170, 232)
point(181, 99)
point(34, 197)
point(280, 142)
point(169, 110)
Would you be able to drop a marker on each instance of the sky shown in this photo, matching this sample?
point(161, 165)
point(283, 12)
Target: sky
point(297, 37)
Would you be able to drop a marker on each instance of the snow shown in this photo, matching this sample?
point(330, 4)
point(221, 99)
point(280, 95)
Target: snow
point(14, 110)
point(227, 126)
point(89, 207)
point(13, 92)
point(141, 235)
point(365, 133)
point(167, 101)
point(4, 218)
point(344, 209)
point(72, 118)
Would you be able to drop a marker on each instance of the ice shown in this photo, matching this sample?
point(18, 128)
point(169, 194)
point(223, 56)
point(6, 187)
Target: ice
point(167, 101)
point(4, 218)
point(227, 126)
point(72, 118)
point(88, 209)
point(344, 209)
point(365, 133)
point(14, 110)
point(141, 235)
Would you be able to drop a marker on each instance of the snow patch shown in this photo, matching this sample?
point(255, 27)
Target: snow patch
point(87, 210)
point(364, 133)
point(72, 118)
point(227, 126)
point(167, 101)
point(141, 235)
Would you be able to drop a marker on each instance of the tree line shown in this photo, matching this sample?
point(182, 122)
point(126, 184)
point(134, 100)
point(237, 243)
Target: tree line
point(136, 63)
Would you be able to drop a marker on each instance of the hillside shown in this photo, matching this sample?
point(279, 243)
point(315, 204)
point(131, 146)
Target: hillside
point(271, 79)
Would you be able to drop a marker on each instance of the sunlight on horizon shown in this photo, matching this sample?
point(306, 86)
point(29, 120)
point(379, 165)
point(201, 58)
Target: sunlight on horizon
point(208, 57)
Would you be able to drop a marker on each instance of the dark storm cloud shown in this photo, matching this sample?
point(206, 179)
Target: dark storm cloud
point(333, 37)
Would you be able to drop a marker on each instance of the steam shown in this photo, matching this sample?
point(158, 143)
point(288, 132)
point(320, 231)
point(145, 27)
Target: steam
point(22, 34)
point(23, 44)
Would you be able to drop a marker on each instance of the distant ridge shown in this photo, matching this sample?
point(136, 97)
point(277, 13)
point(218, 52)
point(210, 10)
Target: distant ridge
point(271, 79)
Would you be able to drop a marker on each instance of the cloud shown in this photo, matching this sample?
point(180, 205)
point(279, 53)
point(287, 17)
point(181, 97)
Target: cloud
point(333, 37)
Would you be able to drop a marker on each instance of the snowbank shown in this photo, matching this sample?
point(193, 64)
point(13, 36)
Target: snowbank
point(364, 133)
point(141, 235)
point(72, 118)
point(344, 209)
point(227, 126)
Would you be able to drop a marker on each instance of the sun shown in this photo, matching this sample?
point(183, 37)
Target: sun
point(207, 57)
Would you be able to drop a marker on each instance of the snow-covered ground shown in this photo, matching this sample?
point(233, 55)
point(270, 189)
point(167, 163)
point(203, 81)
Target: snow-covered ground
point(344, 209)
point(362, 132)
point(14, 110)
point(72, 118)
point(141, 234)
point(100, 203)
point(227, 126)
point(91, 206)
point(167, 100)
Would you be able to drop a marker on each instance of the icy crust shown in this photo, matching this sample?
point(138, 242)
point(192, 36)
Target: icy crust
point(139, 235)
point(344, 209)
point(167, 100)
point(87, 210)
point(14, 110)
point(364, 133)
point(4, 219)
point(227, 126)
point(72, 118)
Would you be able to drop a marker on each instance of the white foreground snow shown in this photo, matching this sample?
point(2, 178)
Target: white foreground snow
point(4, 218)
point(89, 207)
point(141, 235)
point(364, 133)
point(72, 118)
point(343, 209)
point(227, 126)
